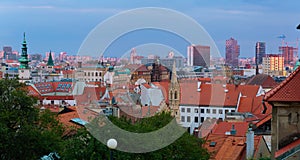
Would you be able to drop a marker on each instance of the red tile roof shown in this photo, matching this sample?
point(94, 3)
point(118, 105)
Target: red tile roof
point(65, 118)
point(226, 148)
point(253, 105)
point(287, 91)
point(287, 148)
point(214, 94)
point(240, 127)
point(229, 147)
point(263, 80)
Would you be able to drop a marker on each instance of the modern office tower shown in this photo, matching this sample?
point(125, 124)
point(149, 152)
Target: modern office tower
point(260, 52)
point(198, 55)
point(232, 52)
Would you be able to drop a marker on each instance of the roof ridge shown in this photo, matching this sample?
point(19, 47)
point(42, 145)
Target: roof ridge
point(282, 84)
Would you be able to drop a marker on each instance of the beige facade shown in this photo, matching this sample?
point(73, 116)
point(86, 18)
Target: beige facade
point(274, 65)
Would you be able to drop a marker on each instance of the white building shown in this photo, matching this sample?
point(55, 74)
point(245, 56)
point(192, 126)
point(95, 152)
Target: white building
point(211, 101)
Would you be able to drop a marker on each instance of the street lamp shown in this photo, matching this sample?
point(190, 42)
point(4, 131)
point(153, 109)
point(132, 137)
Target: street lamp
point(298, 27)
point(112, 144)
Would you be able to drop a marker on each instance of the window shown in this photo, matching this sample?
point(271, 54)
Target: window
point(214, 111)
point(226, 111)
point(220, 111)
point(182, 109)
point(188, 110)
point(207, 110)
point(88, 73)
point(202, 110)
point(196, 110)
point(196, 120)
point(188, 119)
point(96, 74)
point(232, 111)
point(92, 73)
point(202, 119)
point(182, 119)
point(175, 95)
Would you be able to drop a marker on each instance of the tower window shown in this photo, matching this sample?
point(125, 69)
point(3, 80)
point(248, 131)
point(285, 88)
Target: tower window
point(175, 95)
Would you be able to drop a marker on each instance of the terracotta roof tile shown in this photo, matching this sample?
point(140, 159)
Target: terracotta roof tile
point(214, 94)
point(286, 91)
point(263, 80)
point(240, 127)
point(287, 148)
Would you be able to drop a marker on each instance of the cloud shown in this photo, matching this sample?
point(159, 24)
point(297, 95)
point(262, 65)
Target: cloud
point(236, 12)
point(60, 9)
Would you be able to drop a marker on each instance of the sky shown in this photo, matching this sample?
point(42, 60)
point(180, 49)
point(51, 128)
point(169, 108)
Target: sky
point(62, 25)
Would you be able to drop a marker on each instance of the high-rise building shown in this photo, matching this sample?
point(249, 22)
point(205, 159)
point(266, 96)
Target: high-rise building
point(62, 56)
point(260, 52)
point(288, 53)
point(232, 52)
point(198, 55)
point(273, 64)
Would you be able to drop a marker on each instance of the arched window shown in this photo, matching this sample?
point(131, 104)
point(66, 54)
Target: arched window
point(96, 74)
point(171, 95)
point(175, 95)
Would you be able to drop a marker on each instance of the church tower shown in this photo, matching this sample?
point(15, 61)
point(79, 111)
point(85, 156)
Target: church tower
point(24, 70)
point(174, 94)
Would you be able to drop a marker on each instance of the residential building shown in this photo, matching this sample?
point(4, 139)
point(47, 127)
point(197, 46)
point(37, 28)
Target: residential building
point(273, 64)
point(232, 52)
point(201, 101)
point(198, 55)
point(288, 53)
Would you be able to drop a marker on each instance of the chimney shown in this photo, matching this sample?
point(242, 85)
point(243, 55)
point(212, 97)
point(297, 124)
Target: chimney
point(233, 131)
point(199, 86)
point(250, 144)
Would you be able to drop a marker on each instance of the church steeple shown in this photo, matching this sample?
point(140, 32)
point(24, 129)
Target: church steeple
point(174, 94)
point(24, 56)
point(50, 60)
point(174, 74)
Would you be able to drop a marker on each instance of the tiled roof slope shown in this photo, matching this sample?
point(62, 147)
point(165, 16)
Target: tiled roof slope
point(288, 90)
point(264, 80)
point(214, 94)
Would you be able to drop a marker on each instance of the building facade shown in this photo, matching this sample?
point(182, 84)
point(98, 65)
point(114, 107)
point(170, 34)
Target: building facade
point(260, 52)
point(273, 64)
point(232, 52)
point(198, 55)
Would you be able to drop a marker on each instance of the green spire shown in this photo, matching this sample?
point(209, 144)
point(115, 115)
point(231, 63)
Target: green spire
point(50, 60)
point(24, 56)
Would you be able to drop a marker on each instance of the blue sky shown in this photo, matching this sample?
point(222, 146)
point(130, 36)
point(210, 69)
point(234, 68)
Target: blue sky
point(62, 25)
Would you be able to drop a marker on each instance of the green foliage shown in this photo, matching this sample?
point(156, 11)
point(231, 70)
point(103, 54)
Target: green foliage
point(25, 133)
point(84, 146)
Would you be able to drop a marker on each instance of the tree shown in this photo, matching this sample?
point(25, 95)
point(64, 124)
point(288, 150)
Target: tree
point(25, 133)
point(85, 146)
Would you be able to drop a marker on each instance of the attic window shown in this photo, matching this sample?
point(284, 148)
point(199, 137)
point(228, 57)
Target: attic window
point(212, 144)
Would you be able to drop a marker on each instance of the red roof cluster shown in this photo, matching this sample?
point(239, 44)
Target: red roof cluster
point(214, 94)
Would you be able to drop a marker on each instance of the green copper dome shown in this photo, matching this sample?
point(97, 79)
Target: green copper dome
point(24, 56)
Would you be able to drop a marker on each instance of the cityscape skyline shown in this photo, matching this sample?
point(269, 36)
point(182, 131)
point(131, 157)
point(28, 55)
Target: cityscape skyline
point(63, 26)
